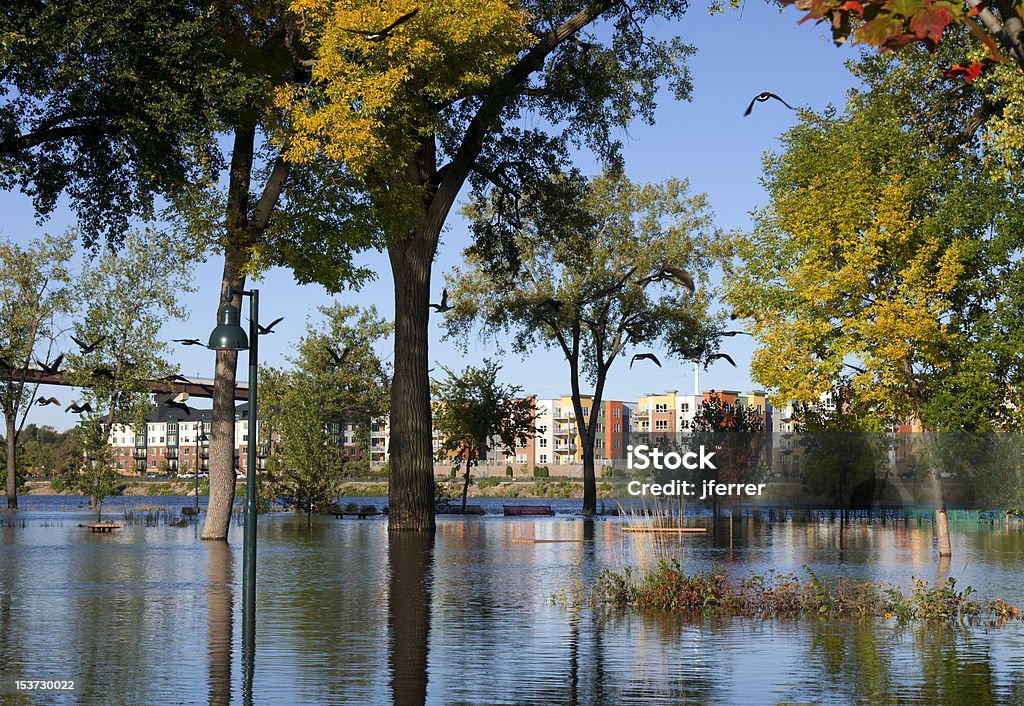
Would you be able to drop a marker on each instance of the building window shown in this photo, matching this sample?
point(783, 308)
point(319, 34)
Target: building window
point(645, 426)
point(542, 430)
point(543, 458)
point(660, 424)
point(660, 408)
point(615, 444)
point(684, 407)
point(686, 424)
point(520, 458)
point(543, 443)
point(616, 412)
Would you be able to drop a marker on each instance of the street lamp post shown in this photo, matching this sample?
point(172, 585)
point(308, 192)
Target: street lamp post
point(230, 336)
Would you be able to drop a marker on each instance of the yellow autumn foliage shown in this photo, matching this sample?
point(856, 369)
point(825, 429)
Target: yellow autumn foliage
point(369, 101)
point(840, 274)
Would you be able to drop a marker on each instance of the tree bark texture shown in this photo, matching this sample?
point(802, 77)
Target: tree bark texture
point(411, 486)
point(12, 481)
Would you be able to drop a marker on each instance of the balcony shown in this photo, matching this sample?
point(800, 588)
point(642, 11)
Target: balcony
point(565, 430)
point(172, 454)
point(140, 455)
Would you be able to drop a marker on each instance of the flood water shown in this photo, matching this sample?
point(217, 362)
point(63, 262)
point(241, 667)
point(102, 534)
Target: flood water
point(151, 615)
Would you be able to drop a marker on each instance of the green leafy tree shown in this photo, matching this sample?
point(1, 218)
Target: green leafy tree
point(590, 274)
point(475, 413)
point(34, 295)
point(737, 435)
point(337, 380)
point(440, 101)
point(844, 453)
point(890, 280)
point(110, 104)
point(124, 297)
point(96, 472)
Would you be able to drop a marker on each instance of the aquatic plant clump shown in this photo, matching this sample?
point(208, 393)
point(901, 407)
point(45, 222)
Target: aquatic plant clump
point(668, 588)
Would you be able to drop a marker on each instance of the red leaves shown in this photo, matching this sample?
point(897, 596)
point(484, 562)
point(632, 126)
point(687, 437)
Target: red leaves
point(929, 22)
point(971, 71)
point(853, 6)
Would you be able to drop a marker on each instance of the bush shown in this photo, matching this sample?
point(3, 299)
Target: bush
point(667, 588)
point(508, 471)
point(540, 472)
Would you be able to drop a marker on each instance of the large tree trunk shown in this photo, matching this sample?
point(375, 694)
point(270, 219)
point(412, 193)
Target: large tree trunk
point(12, 481)
point(411, 484)
point(589, 475)
point(222, 429)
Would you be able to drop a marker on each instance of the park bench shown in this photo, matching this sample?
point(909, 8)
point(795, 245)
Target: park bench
point(533, 510)
point(445, 509)
point(101, 526)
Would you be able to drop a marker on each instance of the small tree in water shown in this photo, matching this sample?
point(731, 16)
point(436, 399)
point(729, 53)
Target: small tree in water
point(475, 414)
point(96, 474)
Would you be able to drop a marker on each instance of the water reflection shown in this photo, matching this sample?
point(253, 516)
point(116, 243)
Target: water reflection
point(348, 614)
point(410, 558)
point(219, 602)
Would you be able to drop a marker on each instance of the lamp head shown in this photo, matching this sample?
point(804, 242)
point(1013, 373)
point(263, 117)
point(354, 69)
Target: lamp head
point(229, 335)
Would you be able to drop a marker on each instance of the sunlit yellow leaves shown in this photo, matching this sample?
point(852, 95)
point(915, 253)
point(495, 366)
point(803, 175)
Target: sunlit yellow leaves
point(845, 279)
point(369, 101)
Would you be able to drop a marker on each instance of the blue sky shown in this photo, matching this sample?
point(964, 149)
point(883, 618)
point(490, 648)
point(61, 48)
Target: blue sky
point(706, 140)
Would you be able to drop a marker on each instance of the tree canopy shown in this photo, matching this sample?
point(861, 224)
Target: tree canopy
point(598, 268)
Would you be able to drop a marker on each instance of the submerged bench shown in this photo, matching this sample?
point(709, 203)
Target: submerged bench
point(102, 526)
point(457, 510)
point(519, 510)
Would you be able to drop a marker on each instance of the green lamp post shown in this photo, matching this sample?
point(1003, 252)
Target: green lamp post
point(229, 336)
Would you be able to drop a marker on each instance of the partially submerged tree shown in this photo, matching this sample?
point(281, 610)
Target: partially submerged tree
point(608, 266)
point(737, 435)
point(845, 455)
point(123, 298)
point(338, 381)
point(475, 413)
point(35, 293)
point(889, 279)
point(439, 100)
point(95, 472)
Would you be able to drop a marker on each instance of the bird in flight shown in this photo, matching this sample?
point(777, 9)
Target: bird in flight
point(381, 34)
point(724, 356)
point(44, 401)
point(269, 328)
point(550, 306)
point(88, 348)
point(645, 356)
point(102, 373)
point(174, 378)
point(338, 359)
point(676, 274)
point(51, 368)
point(761, 98)
point(179, 405)
point(78, 408)
point(443, 306)
point(189, 341)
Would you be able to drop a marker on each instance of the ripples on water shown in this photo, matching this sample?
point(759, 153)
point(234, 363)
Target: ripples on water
point(150, 615)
